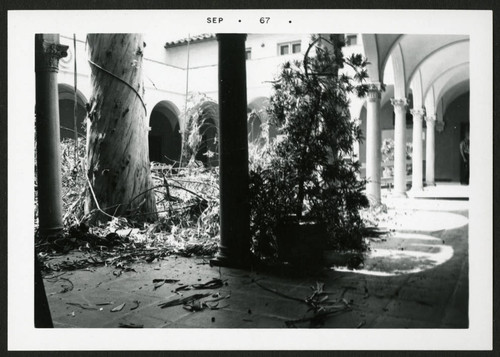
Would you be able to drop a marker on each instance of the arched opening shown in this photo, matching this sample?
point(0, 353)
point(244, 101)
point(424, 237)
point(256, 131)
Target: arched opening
point(208, 123)
point(259, 126)
point(208, 149)
point(254, 128)
point(67, 112)
point(449, 165)
point(165, 139)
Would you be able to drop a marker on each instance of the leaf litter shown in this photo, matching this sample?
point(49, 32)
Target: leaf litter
point(188, 224)
point(118, 308)
point(319, 304)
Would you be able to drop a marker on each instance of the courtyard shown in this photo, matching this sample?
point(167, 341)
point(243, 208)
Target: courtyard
point(416, 276)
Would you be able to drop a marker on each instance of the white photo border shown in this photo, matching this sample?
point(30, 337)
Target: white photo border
point(22, 25)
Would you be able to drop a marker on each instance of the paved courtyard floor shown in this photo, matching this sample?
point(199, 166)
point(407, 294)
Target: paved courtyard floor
point(417, 277)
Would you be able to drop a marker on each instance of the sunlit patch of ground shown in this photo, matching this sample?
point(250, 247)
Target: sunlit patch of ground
point(425, 221)
point(426, 204)
point(403, 253)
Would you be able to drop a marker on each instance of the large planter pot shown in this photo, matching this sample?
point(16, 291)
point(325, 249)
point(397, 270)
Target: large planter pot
point(301, 243)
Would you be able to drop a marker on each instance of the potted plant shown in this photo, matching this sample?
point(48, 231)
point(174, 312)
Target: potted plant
point(305, 190)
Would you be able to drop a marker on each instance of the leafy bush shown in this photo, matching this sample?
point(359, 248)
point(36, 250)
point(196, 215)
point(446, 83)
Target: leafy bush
point(310, 171)
point(72, 180)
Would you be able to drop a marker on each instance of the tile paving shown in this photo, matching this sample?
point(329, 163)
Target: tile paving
point(436, 297)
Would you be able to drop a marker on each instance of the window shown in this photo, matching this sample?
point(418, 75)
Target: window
point(284, 49)
point(248, 53)
point(288, 48)
point(351, 39)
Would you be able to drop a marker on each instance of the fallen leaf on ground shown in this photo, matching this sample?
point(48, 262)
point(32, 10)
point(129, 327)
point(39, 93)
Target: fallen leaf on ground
point(168, 281)
point(195, 305)
point(159, 282)
point(183, 300)
point(118, 308)
point(83, 306)
point(218, 298)
point(105, 303)
point(212, 284)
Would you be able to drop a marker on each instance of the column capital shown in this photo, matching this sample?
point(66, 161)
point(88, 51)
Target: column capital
point(374, 92)
point(399, 102)
point(49, 55)
point(430, 118)
point(417, 113)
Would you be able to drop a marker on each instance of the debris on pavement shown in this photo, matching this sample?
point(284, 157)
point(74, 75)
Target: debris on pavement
point(318, 302)
point(118, 308)
point(277, 292)
point(218, 297)
point(83, 306)
point(130, 325)
point(160, 282)
point(137, 303)
point(105, 303)
point(361, 324)
point(187, 225)
point(182, 301)
point(65, 288)
point(215, 283)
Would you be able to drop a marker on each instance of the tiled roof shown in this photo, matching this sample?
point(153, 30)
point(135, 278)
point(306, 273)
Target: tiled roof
point(191, 39)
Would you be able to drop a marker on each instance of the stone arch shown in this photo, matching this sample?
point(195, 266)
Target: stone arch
point(165, 140)
point(66, 111)
point(254, 127)
point(208, 124)
point(259, 125)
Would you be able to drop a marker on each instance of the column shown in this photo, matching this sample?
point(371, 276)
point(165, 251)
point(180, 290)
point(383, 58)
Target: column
point(48, 51)
point(373, 144)
point(234, 247)
point(417, 157)
point(430, 150)
point(399, 147)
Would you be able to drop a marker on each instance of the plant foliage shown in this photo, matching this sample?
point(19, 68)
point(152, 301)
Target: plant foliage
point(200, 132)
point(310, 170)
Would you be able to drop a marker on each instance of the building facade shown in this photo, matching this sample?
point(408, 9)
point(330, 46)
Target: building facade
point(418, 100)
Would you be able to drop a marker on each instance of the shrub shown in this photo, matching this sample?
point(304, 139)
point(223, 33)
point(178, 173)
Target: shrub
point(310, 171)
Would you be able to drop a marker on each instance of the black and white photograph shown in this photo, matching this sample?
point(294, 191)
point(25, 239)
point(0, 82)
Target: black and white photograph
point(310, 179)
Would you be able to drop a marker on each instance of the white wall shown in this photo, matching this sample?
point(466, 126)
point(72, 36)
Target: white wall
point(161, 82)
point(165, 72)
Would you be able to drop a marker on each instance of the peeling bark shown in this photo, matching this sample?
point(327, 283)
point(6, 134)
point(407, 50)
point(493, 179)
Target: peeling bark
point(117, 154)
